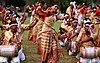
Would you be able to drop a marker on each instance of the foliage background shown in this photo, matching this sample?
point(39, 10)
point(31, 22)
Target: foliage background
point(62, 3)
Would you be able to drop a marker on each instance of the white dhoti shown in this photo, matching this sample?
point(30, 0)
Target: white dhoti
point(21, 54)
point(85, 60)
point(15, 60)
point(73, 46)
point(3, 59)
point(62, 43)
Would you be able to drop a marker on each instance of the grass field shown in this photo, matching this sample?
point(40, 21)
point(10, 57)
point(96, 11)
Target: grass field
point(31, 53)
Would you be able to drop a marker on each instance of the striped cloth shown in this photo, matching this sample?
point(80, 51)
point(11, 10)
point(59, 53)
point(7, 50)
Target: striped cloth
point(49, 42)
point(49, 46)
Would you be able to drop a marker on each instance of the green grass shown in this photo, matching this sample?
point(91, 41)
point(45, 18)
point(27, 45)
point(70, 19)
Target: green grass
point(31, 52)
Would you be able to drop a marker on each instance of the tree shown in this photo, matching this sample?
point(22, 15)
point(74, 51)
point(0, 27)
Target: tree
point(64, 4)
point(21, 3)
point(15, 2)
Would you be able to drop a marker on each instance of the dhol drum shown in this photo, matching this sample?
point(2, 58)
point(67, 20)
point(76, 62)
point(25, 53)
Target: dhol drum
point(8, 50)
point(89, 52)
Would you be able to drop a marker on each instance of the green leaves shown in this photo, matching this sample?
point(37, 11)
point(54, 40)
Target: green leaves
point(16, 3)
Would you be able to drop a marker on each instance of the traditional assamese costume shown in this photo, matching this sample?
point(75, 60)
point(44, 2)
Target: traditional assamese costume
point(49, 41)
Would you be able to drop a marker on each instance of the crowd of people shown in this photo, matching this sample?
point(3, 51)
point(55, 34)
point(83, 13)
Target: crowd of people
point(79, 32)
point(12, 24)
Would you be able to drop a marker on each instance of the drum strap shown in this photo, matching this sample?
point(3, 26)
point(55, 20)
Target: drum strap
point(85, 52)
point(95, 51)
point(93, 43)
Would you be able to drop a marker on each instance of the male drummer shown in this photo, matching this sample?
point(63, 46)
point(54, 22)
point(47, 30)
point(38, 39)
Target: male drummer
point(85, 33)
point(73, 33)
point(13, 37)
point(10, 39)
